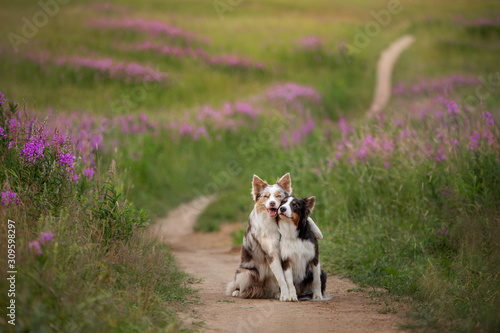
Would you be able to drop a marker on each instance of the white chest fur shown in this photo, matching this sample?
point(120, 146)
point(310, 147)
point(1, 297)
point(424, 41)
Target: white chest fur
point(299, 252)
point(266, 229)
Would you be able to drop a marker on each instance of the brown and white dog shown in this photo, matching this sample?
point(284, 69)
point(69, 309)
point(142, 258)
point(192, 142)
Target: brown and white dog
point(260, 274)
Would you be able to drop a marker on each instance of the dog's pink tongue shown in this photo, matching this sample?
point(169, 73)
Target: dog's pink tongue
point(272, 212)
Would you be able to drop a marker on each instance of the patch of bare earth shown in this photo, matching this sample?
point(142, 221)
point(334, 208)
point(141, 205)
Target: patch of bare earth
point(211, 258)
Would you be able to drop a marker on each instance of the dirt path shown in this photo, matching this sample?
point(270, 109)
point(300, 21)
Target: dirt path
point(211, 258)
point(385, 65)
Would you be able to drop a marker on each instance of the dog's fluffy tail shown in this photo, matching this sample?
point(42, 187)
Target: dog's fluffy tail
point(254, 292)
point(323, 282)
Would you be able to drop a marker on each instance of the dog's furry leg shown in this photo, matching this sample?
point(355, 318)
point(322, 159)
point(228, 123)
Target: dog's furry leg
point(317, 294)
point(287, 271)
point(314, 228)
point(275, 264)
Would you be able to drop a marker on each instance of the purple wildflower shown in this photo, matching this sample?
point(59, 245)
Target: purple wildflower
point(440, 156)
point(369, 141)
point(344, 128)
point(2, 133)
point(291, 92)
point(88, 173)
point(307, 128)
point(488, 136)
point(388, 146)
point(245, 108)
point(443, 231)
point(311, 43)
point(489, 118)
point(33, 149)
point(96, 141)
point(45, 237)
point(66, 159)
point(36, 246)
point(474, 141)
point(14, 125)
point(2, 99)
point(58, 140)
point(200, 131)
point(452, 108)
point(362, 154)
point(8, 198)
point(149, 27)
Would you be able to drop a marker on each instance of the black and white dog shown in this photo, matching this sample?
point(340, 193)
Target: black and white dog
point(299, 249)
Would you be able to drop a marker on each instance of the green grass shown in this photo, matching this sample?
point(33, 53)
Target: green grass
point(77, 286)
point(380, 224)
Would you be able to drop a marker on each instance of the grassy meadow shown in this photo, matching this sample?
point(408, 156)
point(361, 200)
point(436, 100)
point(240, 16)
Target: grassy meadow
point(114, 113)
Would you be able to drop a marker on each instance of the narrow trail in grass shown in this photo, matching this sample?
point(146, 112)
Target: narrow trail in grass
point(385, 65)
point(211, 258)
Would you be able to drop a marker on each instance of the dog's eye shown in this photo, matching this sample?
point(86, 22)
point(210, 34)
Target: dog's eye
point(279, 196)
point(266, 195)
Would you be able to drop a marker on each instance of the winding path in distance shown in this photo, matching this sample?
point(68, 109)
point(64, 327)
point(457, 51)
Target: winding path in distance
point(385, 65)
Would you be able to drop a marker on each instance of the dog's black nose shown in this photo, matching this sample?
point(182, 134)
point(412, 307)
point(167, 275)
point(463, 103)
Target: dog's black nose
point(272, 204)
point(282, 209)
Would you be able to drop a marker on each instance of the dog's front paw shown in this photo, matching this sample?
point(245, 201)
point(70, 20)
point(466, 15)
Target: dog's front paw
point(317, 297)
point(293, 297)
point(236, 293)
point(285, 297)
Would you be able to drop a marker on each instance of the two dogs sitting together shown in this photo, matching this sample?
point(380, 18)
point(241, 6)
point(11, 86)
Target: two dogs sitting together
point(280, 255)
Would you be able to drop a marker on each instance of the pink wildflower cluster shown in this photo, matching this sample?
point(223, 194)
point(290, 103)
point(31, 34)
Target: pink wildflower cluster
point(434, 86)
point(128, 71)
point(292, 92)
point(442, 130)
point(43, 239)
point(199, 53)
point(147, 26)
point(9, 198)
point(311, 43)
point(479, 22)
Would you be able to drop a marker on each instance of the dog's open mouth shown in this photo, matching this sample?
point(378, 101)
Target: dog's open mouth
point(272, 212)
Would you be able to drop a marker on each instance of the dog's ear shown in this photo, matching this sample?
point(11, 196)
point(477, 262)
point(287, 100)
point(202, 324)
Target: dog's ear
point(310, 204)
point(286, 183)
point(257, 186)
